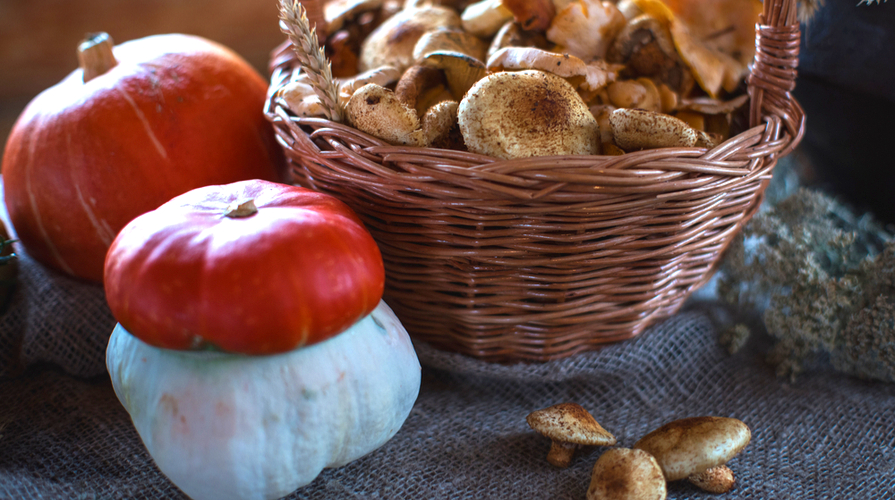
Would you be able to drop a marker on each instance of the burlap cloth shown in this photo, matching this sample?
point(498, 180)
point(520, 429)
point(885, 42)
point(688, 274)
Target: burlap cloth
point(64, 435)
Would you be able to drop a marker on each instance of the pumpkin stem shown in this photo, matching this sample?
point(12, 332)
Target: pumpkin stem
point(95, 55)
point(241, 209)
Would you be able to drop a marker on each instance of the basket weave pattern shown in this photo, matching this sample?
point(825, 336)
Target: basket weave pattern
point(541, 258)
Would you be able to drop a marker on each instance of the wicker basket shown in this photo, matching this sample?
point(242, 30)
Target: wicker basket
point(541, 258)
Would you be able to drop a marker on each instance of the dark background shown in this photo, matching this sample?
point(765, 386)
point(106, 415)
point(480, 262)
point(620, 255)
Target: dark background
point(846, 82)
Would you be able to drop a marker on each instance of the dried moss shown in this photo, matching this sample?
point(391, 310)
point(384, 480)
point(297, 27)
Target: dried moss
point(825, 282)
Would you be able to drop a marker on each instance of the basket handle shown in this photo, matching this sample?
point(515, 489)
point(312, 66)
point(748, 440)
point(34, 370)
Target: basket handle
point(773, 76)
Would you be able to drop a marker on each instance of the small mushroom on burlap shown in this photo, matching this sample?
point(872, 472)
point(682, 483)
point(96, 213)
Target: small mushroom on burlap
point(485, 18)
point(586, 28)
point(636, 129)
point(393, 41)
point(527, 113)
point(377, 111)
point(569, 426)
point(460, 70)
point(700, 447)
point(590, 77)
point(450, 40)
point(626, 474)
point(645, 47)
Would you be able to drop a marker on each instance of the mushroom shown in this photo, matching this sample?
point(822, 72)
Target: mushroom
point(485, 18)
point(393, 41)
point(512, 35)
point(450, 40)
point(586, 28)
point(377, 111)
point(532, 15)
point(636, 129)
point(691, 446)
point(420, 86)
point(460, 70)
point(714, 480)
point(568, 425)
point(626, 474)
point(382, 76)
point(641, 93)
point(337, 12)
point(441, 128)
point(646, 48)
point(592, 77)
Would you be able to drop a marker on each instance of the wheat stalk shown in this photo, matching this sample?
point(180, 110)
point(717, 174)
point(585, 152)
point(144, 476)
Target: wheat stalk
point(294, 23)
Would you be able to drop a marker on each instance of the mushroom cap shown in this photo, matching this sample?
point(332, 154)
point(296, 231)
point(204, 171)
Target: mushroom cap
point(714, 480)
point(337, 12)
point(392, 42)
point(595, 75)
point(377, 111)
point(586, 28)
point(570, 423)
point(636, 129)
point(691, 445)
point(527, 113)
point(461, 70)
point(485, 18)
point(450, 40)
point(626, 474)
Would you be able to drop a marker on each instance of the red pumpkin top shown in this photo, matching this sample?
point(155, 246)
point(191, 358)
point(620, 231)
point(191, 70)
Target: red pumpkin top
point(173, 113)
point(205, 268)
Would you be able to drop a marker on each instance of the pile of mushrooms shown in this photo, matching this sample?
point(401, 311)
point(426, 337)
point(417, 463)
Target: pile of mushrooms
point(514, 78)
point(696, 449)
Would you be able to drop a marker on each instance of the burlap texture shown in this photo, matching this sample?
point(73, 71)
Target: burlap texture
point(54, 319)
point(826, 436)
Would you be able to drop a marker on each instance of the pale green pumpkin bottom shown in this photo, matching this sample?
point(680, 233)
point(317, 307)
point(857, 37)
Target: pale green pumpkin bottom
point(228, 426)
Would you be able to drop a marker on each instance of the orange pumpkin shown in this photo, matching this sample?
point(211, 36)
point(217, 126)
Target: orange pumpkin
point(132, 128)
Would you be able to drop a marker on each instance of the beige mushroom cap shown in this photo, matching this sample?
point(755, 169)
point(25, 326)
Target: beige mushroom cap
point(636, 129)
point(586, 28)
point(594, 75)
point(450, 40)
point(485, 18)
point(568, 425)
point(377, 111)
point(527, 113)
point(715, 480)
point(337, 12)
point(392, 42)
point(692, 445)
point(626, 474)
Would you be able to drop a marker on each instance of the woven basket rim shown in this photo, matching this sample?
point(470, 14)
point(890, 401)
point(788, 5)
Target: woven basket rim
point(611, 244)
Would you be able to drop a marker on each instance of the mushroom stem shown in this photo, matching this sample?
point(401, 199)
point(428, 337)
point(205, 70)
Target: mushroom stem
point(560, 453)
point(95, 55)
point(714, 480)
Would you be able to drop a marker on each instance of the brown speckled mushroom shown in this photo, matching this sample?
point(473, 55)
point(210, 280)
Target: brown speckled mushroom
point(636, 129)
point(626, 474)
point(568, 425)
point(691, 446)
point(392, 42)
point(527, 113)
point(377, 111)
